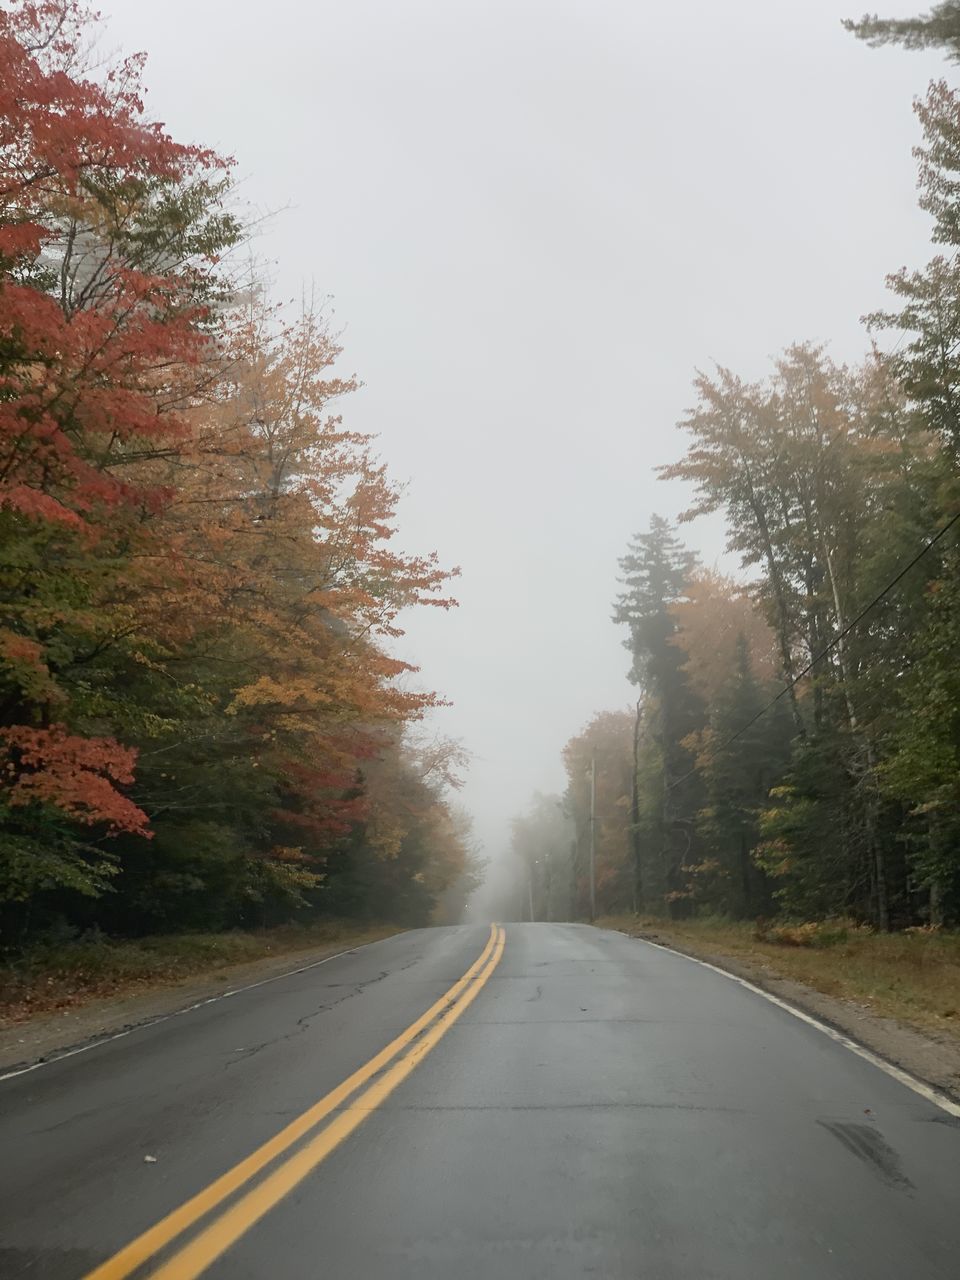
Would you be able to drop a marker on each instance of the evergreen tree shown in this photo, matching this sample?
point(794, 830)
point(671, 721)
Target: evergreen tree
point(938, 29)
point(746, 756)
point(655, 572)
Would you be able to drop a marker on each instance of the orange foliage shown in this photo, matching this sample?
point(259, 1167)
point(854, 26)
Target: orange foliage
point(74, 774)
point(608, 739)
point(187, 460)
point(715, 614)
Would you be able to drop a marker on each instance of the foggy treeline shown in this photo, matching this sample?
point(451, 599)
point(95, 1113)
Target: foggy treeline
point(795, 747)
point(203, 722)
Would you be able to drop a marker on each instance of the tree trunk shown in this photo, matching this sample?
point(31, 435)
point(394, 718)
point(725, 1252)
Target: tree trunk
point(783, 632)
point(881, 894)
point(936, 905)
point(638, 903)
point(746, 887)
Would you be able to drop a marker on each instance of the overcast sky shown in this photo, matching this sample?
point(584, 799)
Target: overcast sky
point(534, 220)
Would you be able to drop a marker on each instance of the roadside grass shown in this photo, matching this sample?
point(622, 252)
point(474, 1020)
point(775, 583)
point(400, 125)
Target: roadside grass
point(912, 976)
point(67, 974)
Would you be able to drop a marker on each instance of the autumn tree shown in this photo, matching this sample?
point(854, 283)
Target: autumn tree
point(466, 873)
point(200, 592)
point(715, 620)
point(730, 654)
point(109, 234)
point(743, 754)
point(263, 617)
point(603, 752)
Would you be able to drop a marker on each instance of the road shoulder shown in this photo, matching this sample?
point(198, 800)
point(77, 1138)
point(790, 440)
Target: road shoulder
point(51, 1034)
point(931, 1057)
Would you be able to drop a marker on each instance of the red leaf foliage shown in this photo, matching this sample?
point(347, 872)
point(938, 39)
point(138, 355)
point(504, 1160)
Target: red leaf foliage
point(95, 339)
point(76, 775)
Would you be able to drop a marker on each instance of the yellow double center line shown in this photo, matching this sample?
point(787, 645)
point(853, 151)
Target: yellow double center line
point(227, 1227)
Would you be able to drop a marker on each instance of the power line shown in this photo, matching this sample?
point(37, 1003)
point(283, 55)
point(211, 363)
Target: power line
point(927, 546)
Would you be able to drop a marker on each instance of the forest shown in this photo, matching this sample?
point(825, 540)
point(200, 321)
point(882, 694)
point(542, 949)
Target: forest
point(794, 749)
point(206, 721)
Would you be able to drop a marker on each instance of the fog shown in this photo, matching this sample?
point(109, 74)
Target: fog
point(534, 220)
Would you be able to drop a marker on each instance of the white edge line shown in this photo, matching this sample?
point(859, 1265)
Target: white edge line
point(904, 1077)
point(175, 1013)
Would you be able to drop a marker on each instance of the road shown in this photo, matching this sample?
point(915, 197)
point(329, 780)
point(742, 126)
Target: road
point(582, 1104)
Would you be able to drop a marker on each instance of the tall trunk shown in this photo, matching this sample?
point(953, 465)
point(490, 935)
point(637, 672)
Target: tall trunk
point(842, 651)
point(880, 887)
point(814, 640)
point(812, 577)
point(936, 905)
point(746, 887)
point(666, 835)
point(779, 595)
point(638, 902)
point(881, 893)
point(574, 870)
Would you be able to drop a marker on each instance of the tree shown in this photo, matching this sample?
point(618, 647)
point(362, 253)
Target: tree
point(454, 898)
point(269, 582)
point(202, 713)
point(806, 467)
point(109, 233)
point(927, 365)
point(655, 571)
point(922, 768)
point(604, 749)
point(716, 625)
point(940, 28)
point(109, 238)
point(735, 466)
point(743, 754)
point(541, 843)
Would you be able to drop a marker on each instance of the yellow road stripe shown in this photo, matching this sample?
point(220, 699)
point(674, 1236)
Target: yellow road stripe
point(215, 1239)
point(167, 1229)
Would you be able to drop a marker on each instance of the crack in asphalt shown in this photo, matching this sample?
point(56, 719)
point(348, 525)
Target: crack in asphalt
point(302, 1023)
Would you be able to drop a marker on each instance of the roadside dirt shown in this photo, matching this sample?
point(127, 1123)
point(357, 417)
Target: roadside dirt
point(50, 1035)
point(932, 1058)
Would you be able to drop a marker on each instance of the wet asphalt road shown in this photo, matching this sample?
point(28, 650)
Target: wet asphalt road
point(602, 1108)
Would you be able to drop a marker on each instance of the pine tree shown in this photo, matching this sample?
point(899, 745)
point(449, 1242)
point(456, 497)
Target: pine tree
point(938, 29)
point(744, 757)
point(655, 572)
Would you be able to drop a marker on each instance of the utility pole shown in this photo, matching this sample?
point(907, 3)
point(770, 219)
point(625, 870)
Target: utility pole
point(530, 888)
point(593, 837)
